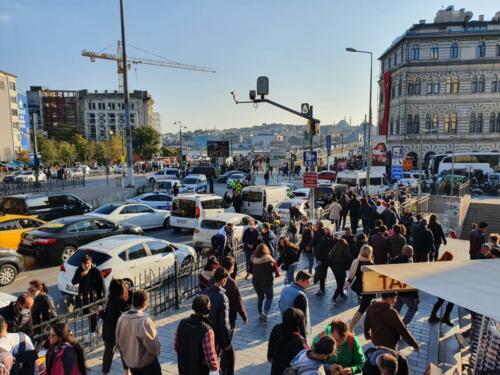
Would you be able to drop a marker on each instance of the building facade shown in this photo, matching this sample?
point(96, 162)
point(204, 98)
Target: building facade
point(440, 86)
point(10, 141)
point(102, 114)
point(24, 122)
point(156, 122)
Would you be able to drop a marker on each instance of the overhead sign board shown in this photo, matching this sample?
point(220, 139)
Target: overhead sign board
point(374, 282)
point(311, 179)
point(310, 158)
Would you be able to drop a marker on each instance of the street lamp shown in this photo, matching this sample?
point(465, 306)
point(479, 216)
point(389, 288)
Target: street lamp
point(369, 153)
point(180, 138)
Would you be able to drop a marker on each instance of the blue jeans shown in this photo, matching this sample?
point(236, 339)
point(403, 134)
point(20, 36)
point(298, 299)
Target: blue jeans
point(248, 257)
point(262, 293)
point(436, 254)
point(310, 260)
point(290, 273)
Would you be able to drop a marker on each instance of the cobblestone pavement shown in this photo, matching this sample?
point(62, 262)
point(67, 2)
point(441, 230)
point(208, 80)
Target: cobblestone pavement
point(250, 340)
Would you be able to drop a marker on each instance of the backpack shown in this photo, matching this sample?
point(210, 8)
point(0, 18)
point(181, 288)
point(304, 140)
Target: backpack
point(24, 359)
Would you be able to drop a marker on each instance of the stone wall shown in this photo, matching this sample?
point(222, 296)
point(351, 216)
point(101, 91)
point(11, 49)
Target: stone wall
point(451, 211)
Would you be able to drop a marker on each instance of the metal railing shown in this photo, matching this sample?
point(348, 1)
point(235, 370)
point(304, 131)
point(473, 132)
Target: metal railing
point(39, 187)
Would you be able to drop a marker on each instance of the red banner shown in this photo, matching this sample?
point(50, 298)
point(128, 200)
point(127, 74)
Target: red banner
point(387, 101)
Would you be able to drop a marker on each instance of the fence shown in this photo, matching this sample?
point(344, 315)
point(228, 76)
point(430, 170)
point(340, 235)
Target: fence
point(39, 187)
point(167, 290)
point(484, 345)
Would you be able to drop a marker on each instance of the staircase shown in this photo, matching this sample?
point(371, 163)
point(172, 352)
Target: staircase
point(487, 212)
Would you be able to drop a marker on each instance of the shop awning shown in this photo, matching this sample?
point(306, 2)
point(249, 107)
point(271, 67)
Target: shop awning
point(472, 284)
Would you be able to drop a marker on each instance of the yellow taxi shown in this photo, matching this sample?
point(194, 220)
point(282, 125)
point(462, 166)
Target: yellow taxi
point(12, 226)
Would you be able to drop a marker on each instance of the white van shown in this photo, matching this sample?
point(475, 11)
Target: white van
point(257, 198)
point(188, 210)
point(358, 178)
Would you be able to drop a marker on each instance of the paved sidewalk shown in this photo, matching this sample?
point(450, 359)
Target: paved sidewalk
point(250, 340)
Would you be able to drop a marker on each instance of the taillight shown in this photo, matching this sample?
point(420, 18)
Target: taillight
point(197, 212)
point(45, 241)
point(61, 268)
point(105, 272)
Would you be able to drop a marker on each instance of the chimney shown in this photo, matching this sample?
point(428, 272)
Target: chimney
point(481, 17)
point(422, 22)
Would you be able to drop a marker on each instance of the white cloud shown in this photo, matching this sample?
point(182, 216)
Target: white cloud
point(5, 18)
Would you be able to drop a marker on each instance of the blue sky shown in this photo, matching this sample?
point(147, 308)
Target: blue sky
point(299, 45)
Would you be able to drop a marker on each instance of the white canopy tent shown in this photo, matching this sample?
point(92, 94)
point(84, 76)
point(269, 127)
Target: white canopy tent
point(472, 284)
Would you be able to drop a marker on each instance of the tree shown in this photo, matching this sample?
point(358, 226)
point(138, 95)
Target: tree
point(114, 148)
point(67, 152)
point(47, 148)
point(146, 141)
point(169, 151)
point(85, 150)
point(23, 156)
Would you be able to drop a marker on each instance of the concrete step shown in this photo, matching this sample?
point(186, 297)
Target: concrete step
point(487, 212)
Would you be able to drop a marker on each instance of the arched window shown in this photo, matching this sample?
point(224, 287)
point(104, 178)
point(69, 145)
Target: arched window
point(481, 49)
point(435, 121)
point(497, 129)
point(455, 85)
point(393, 90)
point(479, 123)
point(454, 123)
point(415, 52)
point(448, 85)
point(472, 123)
point(400, 87)
point(492, 122)
point(429, 86)
point(398, 125)
point(480, 84)
point(409, 124)
point(436, 85)
point(447, 123)
point(454, 50)
point(474, 84)
point(391, 126)
point(498, 49)
point(410, 86)
point(396, 58)
point(494, 84)
point(428, 121)
point(416, 124)
point(434, 51)
point(417, 86)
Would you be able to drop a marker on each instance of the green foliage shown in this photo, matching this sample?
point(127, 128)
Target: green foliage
point(146, 142)
point(169, 151)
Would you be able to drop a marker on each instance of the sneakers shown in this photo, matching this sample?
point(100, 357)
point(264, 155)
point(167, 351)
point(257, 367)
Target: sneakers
point(433, 319)
point(320, 293)
point(446, 320)
point(263, 318)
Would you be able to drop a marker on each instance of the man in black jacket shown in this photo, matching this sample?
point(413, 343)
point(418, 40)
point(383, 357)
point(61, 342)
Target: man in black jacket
point(423, 242)
point(90, 287)
point(354, 208)
point(233, 294)
point(410, 299)
point(383, 361)
point(396, 242)
point(17, 314)
point(322, 242)
point(219, 318)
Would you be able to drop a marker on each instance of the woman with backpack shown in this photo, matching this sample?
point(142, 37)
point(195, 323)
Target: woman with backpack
point(118, 303)
point(65, 355)
point(264, 269)
point(349, 353)
point(43, 309)
point(340, 261)
point(289, 258)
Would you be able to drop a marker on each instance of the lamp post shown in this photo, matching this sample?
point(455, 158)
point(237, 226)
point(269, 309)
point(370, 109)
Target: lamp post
point(369, 151)
point(180, 139)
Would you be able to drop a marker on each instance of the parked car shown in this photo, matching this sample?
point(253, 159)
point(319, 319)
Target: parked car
point(164, 174)
point(134, 258)
point(75, 172)
point(405, 182)
point(223, 178)
point(5, 299)
point(195, 183)
point(156, 200)
point(134, 214)
point(30, 176)
point(85, 169)
point(167, 186)
point(9, 179)
point(11, 263)
point(13, 226)
point(302, 193)
point(236, 177)
point(58, 240)
point(189, 209)
point(43, 206)
point(283, 209)
point(290, 185)
point(327, 175)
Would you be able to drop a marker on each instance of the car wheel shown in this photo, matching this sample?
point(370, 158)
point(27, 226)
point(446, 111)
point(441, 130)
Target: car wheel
point(166, 223)
point(66, 253)
point(186, 266)
point(8, 273)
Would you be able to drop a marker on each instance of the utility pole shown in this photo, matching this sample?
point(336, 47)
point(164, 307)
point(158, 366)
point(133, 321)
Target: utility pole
point(128, 125)
point(35, 147)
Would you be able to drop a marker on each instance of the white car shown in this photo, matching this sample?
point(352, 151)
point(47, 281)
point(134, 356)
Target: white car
point(405, 182)
point(195, 183)
point(236, 177)
point(29, 176)
point(189, 209)
point(207, 228)
point(85, 169)
point(167, 186)
point(136, 214)
point(5, 299)
point(157, 200)
point(75, 172)
point(164, 174)
point(283, 209)
point(302, 193)
point(138, 259)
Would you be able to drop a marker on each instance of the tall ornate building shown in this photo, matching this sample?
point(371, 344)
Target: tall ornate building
point(440, 86)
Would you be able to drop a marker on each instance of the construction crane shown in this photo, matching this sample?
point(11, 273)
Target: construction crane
point(138, 60)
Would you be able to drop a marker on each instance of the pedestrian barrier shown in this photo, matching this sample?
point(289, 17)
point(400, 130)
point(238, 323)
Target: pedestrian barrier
point(40, 187)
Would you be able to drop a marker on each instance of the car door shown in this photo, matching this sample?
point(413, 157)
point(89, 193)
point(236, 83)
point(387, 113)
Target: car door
point(162, 258)
point(10, 234)
point(87, 231)
point(139, 263)
point(105, 228)
point(126, 215)
point(147, 216)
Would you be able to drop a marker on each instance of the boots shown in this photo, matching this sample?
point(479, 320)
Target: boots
point(433, 318)
point(355, 320)
point(446, 320)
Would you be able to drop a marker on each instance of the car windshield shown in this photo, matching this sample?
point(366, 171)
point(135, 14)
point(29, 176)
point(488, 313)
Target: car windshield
point(237, 176)
point(106, 209)
point(213, 204)
point(300, 193)
point(284, 205)
point(212, 224)
point(190, 181)
point(26, 173)
point(252, 196)
point(98, 258)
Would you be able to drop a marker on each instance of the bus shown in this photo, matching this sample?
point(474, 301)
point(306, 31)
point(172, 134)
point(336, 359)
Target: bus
point(486, 162)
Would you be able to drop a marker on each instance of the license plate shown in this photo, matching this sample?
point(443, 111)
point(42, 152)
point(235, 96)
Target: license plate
point(71, 288)
point(26, 242)
point(182, 221)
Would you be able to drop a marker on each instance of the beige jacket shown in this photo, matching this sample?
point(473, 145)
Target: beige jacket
point(137, 339)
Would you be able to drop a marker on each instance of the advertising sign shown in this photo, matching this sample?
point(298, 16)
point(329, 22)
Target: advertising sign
point(397, 163)
point(200, 141)
point(310, 158)
point(374, 282)
point(379, 151)
point(217, 149)
point(278, 157)
point(311, 179)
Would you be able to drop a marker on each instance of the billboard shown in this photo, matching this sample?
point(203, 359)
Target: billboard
point(379, 151)
point(200, 141)
point(217, 149)
point(24, 122)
